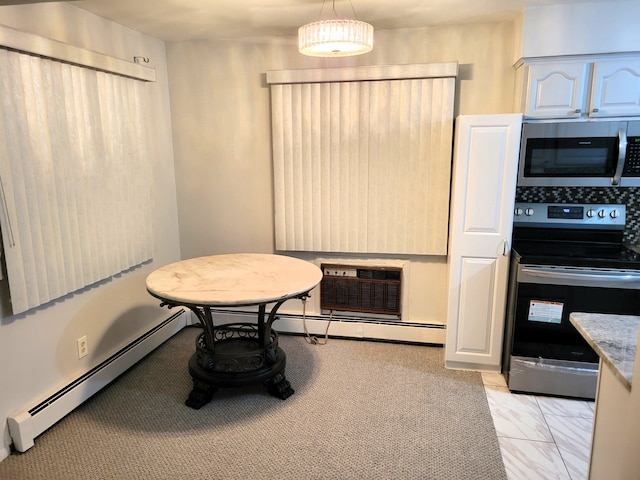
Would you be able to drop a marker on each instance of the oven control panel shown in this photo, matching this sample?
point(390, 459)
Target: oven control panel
point(571, 214)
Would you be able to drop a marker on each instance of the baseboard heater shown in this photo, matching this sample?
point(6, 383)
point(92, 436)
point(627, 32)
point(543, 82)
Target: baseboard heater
point(26, 424)
point(351, 288)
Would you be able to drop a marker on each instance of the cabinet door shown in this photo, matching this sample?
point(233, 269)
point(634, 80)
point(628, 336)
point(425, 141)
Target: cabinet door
point(483, 195)
point(556, 90)
point(616, 88)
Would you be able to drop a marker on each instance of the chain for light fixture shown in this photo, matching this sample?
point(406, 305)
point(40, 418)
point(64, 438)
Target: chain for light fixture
point(335, 38)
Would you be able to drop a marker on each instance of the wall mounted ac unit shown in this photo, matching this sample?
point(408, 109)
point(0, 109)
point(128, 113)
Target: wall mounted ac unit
point(361, 289)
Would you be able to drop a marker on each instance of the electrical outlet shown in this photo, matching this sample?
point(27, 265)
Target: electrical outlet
point(83, 349)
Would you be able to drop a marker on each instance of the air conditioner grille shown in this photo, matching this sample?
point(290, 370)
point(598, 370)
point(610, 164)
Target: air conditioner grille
point(361, 289)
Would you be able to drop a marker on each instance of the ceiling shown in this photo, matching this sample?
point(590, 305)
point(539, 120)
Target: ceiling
point(177, 20)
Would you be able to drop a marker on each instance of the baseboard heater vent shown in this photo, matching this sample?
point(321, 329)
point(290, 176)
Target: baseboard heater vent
point(350, 288)
point(26, 424)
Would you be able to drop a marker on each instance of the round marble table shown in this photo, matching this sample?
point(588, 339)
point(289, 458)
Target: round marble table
point(234, 354)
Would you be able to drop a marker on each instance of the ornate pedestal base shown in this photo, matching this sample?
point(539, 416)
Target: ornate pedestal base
point(237, 359)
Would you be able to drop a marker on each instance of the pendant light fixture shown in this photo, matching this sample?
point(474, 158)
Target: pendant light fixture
point(335, 38)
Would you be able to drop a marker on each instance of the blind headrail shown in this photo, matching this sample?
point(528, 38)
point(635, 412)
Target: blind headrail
point(364, 73)
point(56, 50)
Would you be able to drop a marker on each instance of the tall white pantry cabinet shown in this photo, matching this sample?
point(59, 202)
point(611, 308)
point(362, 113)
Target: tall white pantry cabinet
point(483, 186)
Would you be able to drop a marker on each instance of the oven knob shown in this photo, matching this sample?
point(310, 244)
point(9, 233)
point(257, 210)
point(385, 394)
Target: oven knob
point(614, 214)
point(528, 212)
point(602, 214)
point(591, 213)
point(518, 211)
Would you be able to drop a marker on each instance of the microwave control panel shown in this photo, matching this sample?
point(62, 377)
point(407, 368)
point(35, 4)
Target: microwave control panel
point(632, 163)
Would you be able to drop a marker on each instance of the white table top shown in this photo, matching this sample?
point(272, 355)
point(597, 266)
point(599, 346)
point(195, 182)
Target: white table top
point(234, 279)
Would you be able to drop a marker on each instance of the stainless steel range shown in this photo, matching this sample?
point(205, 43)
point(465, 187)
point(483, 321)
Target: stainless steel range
point(566, 258)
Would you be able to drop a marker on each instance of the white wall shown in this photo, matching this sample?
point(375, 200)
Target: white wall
point(584, 28)
point(220, 113)
point(222, 136)
point(38, 349)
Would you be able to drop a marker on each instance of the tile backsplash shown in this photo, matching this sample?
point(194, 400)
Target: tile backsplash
point(629, 196)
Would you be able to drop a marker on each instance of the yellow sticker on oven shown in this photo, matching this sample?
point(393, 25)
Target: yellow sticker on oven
point(543, 311)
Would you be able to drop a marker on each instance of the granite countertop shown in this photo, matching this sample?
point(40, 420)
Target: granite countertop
point(613, 337)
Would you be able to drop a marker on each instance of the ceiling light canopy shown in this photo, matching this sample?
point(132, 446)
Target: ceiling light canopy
point(335, 38)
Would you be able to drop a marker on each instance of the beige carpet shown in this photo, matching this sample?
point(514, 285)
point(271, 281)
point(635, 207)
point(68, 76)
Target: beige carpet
point(362, 410)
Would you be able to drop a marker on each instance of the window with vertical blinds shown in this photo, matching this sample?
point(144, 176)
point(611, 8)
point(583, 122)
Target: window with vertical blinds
point(362, 159)
point(75, 176)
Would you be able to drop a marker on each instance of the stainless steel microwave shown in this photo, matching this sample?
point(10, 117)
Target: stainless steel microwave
point(580, 154)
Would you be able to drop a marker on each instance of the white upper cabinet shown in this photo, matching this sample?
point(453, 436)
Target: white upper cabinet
point(556, 90)
point(580, 87)
point(615, 88)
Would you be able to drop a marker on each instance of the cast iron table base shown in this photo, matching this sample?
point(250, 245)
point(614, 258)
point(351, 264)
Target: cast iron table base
point(236, 354)
point(237, 359)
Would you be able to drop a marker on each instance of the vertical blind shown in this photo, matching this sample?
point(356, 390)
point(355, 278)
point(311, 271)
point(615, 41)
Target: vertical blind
point(74, 176)
point(363, 166)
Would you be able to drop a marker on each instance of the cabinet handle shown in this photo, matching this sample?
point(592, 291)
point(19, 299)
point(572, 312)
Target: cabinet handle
point(595, 110)
point(578, 110)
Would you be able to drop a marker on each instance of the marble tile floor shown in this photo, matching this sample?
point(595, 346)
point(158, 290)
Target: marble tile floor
point(541, 438)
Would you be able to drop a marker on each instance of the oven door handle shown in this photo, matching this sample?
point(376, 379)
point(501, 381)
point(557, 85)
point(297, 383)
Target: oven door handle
point(587, 278)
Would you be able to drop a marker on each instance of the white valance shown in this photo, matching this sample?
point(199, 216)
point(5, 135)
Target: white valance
point(55, 50)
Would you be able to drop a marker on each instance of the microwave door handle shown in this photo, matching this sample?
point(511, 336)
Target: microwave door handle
point(622, 154)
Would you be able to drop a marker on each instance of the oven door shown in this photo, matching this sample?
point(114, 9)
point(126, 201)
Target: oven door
point(548, 355)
